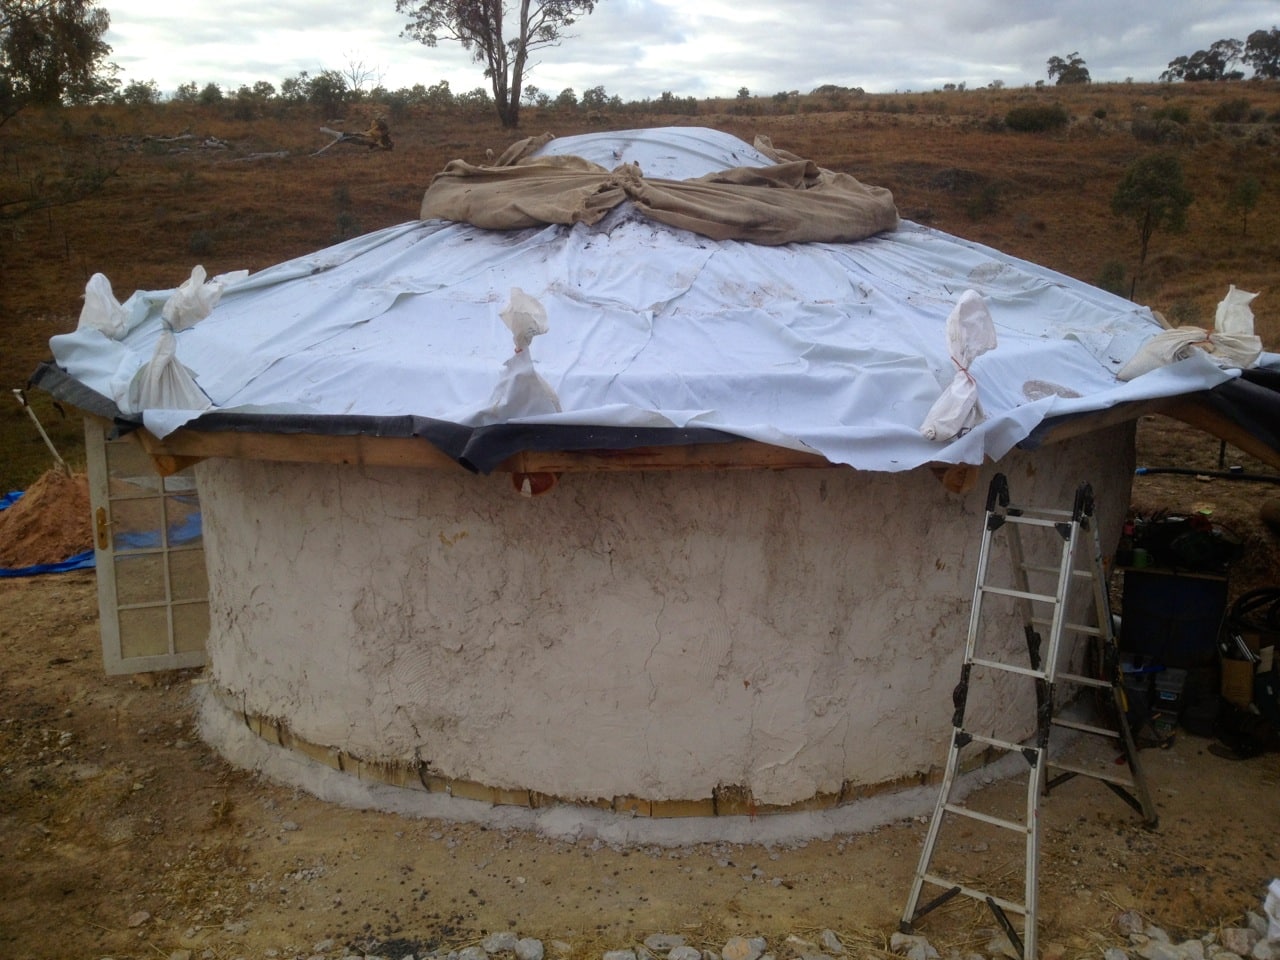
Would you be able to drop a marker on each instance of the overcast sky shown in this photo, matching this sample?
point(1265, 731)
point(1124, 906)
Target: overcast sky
point(640, 48)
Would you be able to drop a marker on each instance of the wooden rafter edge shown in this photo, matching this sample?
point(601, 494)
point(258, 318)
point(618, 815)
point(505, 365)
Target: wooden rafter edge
point(536, 469)
point(1068, 428)
point(182, 448)
point(1191, 409)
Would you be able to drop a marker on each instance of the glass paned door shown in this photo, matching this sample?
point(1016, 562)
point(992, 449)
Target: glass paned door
point(153, 601)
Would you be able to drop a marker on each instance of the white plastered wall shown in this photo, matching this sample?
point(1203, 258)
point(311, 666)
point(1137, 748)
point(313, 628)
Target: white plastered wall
point(654, 635)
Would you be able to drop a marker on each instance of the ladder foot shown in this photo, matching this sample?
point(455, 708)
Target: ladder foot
point(1003, 919)
point(1150, 820)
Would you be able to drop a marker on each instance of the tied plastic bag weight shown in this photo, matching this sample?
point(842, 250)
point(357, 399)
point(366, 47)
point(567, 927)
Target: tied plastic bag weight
point(101, 310)
point(164, 383)
point(521, 391)
point(196, 297)
point(1232, 343)
point(970, 333)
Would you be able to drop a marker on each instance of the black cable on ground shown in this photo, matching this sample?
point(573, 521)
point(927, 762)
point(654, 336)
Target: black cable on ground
point(1216, 474)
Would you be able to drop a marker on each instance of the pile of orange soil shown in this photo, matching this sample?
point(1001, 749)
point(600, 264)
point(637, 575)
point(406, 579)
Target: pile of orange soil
point(49, 524)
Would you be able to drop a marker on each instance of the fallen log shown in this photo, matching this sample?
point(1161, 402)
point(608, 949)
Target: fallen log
point(275, 155)
point(377, 137)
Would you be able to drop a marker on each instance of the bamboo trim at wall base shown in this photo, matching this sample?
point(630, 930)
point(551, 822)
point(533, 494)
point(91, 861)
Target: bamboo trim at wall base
point(725, 801)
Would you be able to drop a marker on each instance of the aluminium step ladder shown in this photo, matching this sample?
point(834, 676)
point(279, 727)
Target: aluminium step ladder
point(1038, 610)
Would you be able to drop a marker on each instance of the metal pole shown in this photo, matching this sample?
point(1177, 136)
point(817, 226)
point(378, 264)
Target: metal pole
point(22, 400)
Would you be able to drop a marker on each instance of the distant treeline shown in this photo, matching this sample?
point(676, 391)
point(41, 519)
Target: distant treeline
point(330, 91)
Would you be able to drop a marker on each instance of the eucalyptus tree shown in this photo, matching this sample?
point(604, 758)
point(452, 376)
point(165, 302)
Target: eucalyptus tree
point(500, 35)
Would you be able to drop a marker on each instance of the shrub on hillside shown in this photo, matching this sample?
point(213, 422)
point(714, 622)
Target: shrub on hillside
point(200, 243)
point(1111, 277)
point(983, 203)
point(1037, 118)
point(1177, 114)
point(1235, 110)
point(1162, 130)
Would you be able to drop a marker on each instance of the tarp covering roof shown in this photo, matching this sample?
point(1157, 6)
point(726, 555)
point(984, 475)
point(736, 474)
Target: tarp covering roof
point(653, 334)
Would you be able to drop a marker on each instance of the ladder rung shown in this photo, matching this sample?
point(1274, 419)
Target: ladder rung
point(1084, 681)
point(1007, 905)
point(960, 811)
point(1038, 568)
point(1086, 728)
point(1020, 509)
point(1085, 628)
point(1117, 779)
point(1001, 744)
point(1018, 594)
point(1081, 573)
point(1044, 520)
point(1009, 668)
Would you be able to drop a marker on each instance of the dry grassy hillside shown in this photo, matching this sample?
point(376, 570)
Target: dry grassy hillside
point(181, 184)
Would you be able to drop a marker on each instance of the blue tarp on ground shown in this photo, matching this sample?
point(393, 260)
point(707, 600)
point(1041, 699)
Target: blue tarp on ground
point(81, 561)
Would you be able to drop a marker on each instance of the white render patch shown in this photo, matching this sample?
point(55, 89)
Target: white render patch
point(652, 635)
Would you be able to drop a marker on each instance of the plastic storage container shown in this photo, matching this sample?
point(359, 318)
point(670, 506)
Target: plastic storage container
point(1172, 618)
point(1169, 686)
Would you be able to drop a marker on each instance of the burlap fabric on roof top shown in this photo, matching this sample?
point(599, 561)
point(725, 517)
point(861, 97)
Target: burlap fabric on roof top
point(793, 201)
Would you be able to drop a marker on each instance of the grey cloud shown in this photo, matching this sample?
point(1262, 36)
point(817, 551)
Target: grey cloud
point(640, 48)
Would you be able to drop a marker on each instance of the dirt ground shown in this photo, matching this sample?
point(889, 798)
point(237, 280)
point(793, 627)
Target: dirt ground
point(125, 836)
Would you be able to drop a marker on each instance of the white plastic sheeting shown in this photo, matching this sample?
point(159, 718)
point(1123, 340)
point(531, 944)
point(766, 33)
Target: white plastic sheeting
point(835, 348)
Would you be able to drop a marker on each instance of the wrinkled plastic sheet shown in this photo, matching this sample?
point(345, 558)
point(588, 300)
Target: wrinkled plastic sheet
point(835, 349)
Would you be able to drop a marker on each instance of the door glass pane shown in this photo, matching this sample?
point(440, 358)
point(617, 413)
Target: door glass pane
point(135, 524)
point(190, 626)
point(183, 482)
point(144, 632)
point(140, 579)
point(187, 578)
point(130, 470)
point(183, 515)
